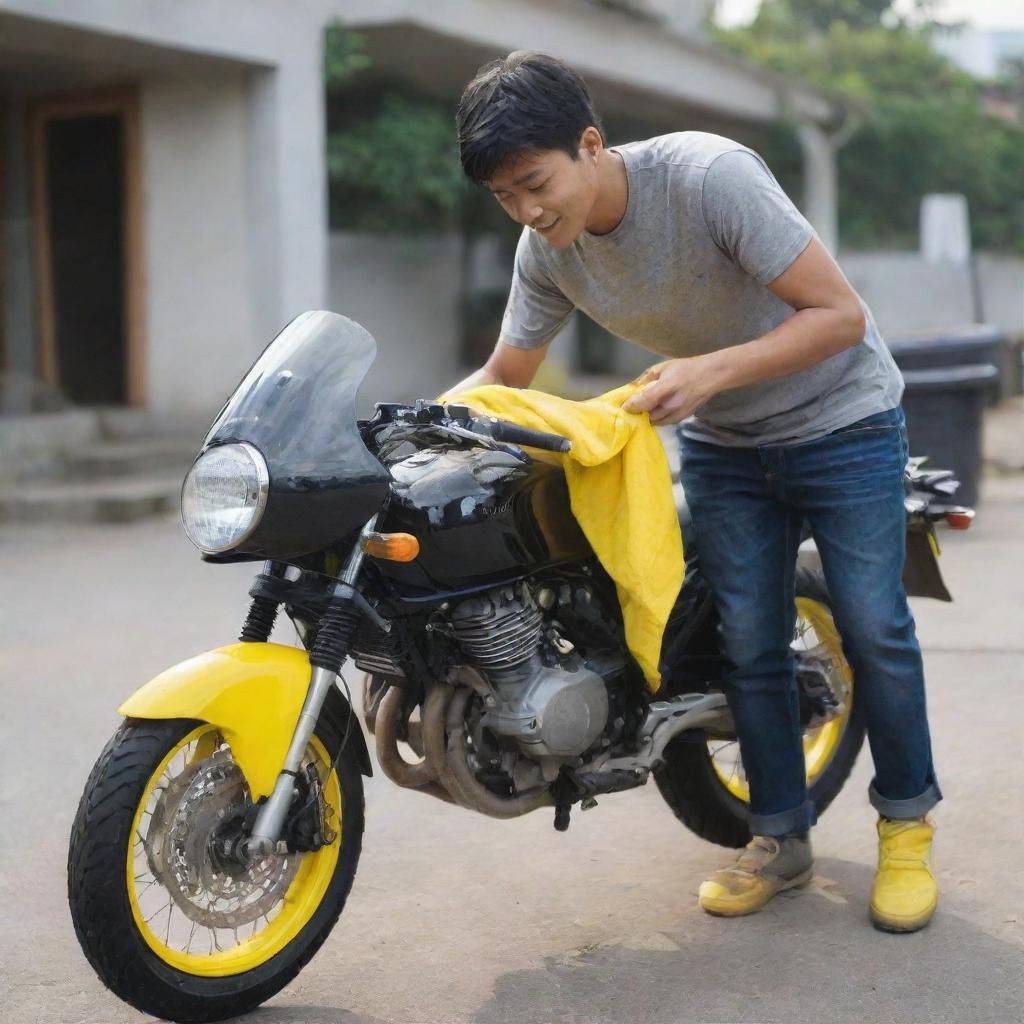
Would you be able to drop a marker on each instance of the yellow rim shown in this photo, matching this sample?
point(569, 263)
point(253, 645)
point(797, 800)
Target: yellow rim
point(216, 952)
point(814, 626)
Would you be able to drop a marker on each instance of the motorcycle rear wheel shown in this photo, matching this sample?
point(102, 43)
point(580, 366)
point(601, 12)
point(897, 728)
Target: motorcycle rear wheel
point(709, 794)
point(226, 940)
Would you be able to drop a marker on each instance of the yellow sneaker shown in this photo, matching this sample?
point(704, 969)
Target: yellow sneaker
point(905, 894)
point(768, 865)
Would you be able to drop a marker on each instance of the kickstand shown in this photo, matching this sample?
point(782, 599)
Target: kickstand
point(562, 816)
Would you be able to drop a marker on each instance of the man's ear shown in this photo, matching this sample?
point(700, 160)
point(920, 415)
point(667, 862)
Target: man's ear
point(590, 142)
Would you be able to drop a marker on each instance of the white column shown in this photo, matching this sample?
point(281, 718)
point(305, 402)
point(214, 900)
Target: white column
point(288, 187)
point(945, 228)
point(821, 183)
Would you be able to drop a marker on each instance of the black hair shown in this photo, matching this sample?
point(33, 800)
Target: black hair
point(523, 103)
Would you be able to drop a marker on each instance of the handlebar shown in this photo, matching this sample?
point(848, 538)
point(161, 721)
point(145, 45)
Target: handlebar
point(502, 430)
point(460, 419)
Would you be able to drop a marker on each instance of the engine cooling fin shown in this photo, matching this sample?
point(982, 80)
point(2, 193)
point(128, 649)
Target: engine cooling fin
point(500, 629)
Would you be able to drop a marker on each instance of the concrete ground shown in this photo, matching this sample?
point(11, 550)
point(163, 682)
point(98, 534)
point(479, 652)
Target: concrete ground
point(1004, 436)
point(456, 918)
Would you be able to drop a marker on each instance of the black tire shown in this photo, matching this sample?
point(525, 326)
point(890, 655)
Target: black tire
point(98, 891)
point(700, 800)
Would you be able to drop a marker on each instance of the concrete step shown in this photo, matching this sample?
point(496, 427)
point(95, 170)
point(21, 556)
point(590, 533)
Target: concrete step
point(139, 457)
point(36, 443)
point(125, 423)
point(109, 500)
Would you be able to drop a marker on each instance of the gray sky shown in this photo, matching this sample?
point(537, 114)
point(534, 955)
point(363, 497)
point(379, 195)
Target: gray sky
point(982, 13)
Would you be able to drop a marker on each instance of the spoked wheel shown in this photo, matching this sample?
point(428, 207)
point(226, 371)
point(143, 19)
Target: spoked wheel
point(171, 917)
point(705, 783)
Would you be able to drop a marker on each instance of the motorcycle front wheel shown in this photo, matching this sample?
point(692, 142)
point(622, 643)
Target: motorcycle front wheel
point(169, 923)
point(704, 783)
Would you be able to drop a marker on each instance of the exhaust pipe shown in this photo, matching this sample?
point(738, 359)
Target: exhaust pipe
point(416, 776)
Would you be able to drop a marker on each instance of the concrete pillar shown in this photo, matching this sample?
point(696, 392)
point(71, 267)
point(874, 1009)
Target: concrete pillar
point(288, 186)
point(199, 334)
point(821, 182)
point(945, 228)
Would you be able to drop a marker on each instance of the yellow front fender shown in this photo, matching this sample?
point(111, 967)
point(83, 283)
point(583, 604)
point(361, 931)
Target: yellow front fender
point(252, 692)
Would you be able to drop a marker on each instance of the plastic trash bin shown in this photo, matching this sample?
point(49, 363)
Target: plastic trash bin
point(969, 345)
point(945, 408)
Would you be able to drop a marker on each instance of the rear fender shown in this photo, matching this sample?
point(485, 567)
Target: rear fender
point(921, 574)
point(252, 693)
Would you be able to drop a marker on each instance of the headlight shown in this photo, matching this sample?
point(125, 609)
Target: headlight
point(224, 496)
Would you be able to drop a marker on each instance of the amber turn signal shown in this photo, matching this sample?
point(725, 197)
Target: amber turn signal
point(395, 547)
point(960, 520)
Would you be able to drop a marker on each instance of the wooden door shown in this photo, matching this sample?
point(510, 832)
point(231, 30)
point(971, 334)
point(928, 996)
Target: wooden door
point(86, 194)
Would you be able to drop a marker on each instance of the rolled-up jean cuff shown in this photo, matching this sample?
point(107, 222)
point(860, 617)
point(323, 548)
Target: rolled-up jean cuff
point(800, 819)
point(914, 807)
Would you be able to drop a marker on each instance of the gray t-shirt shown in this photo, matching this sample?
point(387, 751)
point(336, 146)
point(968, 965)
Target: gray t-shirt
point(706, 229)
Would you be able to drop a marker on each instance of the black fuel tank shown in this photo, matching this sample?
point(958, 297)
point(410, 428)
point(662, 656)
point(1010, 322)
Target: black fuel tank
point(482, 516)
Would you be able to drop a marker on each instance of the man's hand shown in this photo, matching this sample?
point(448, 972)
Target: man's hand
point(673, 390)
point(827, 319)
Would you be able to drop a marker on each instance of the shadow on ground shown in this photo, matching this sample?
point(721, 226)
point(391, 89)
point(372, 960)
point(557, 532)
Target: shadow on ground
point(811, 956)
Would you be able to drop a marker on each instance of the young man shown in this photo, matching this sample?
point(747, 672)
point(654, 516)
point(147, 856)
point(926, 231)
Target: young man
point(788, 402)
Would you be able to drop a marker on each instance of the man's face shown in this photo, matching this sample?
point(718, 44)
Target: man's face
point(549, 192)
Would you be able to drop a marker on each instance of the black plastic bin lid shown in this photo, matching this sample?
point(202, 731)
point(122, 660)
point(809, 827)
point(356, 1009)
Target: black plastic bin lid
point(951, 378)
point(967, 336)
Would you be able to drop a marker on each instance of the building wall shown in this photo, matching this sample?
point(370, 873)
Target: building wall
point(287, 179)
point(1002, 291)
point(404, 291)
point(198, 240)
point(199, 332)
point(235, 210)
point(907, 294)
point(233, 173)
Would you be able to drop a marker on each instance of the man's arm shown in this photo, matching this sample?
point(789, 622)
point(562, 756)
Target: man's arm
point(828, 319)
point(508, 365)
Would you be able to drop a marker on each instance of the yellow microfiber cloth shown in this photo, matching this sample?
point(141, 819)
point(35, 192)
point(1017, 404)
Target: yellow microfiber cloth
point(621, 495)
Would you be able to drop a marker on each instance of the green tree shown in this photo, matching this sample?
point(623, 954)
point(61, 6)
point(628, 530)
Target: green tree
point(924, 126)
point(344, 56)
point(396, 169)
point(859, 13)
point(392, 159)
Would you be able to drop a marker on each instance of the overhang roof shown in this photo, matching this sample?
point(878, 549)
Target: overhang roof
point(101, 29)
point(637, 60)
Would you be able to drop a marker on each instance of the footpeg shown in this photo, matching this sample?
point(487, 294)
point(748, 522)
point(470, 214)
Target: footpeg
point(615, 781)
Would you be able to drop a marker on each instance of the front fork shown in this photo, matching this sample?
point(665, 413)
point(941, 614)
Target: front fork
point(326, 657)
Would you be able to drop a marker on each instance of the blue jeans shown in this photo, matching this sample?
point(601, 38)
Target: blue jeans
point(748, 507)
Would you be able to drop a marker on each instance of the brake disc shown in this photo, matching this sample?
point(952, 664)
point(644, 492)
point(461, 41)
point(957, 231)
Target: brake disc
point(179, 848)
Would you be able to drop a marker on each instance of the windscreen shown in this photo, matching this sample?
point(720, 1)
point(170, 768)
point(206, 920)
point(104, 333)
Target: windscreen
point(297, 404)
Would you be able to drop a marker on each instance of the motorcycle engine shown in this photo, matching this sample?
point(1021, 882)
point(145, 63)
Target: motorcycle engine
point(545, 699)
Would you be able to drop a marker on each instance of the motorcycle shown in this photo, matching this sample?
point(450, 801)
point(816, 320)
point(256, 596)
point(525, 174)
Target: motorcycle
point(219, 832)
